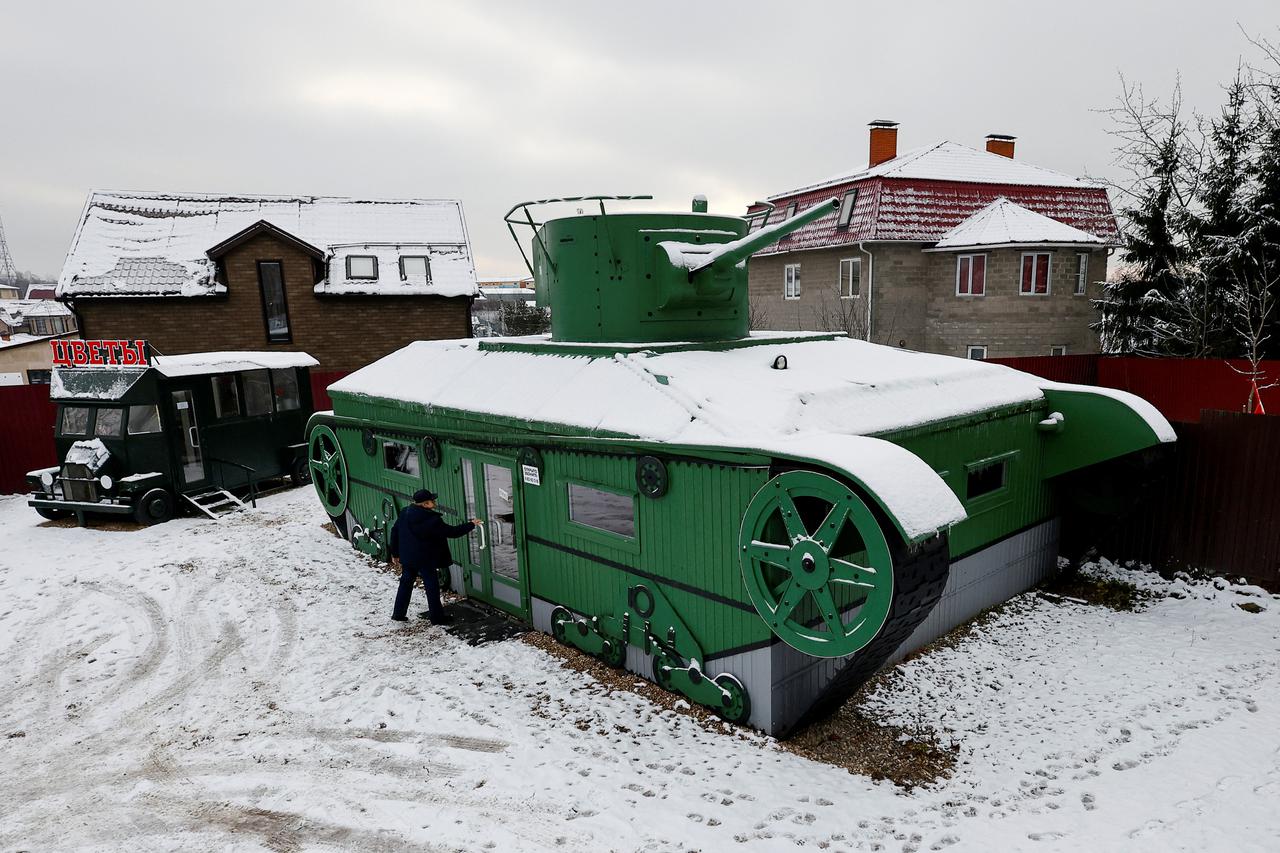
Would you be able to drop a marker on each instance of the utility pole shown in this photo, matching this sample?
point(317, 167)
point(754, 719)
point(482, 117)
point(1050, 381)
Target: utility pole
point(8, 272)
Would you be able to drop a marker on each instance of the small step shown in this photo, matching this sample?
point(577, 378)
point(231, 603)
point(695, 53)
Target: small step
point(215, 503)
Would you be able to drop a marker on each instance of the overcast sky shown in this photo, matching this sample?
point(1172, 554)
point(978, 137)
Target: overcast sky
point(495, 103)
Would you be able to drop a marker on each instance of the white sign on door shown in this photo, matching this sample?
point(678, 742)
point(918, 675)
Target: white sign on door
point(531, 475)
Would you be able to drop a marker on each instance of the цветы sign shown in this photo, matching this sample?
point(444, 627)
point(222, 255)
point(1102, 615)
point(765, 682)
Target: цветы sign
point(99, 353)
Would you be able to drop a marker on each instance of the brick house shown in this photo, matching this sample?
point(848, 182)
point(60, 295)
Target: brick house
point(26, 327)
point(944, 249)
point(346, 280)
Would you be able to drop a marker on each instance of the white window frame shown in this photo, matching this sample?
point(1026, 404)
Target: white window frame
point(846, 208)
point(854, 263)
point(352, 277)
point(1048, 273)
point(1082, 273)
point(790, 210)
point(968, 352)
point(969, 283)
point(1058, 349)
point(791, 281)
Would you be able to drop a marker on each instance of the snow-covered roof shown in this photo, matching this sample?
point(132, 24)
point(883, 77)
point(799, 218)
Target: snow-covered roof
point(157, 244)
point(1003, 223)
point(225, 362)
point(13, 312)
point(951, 161)
point(922, 194)
point(22, 339)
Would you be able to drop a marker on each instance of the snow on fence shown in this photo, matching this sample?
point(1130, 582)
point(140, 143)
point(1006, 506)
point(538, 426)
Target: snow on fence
point(26, 434)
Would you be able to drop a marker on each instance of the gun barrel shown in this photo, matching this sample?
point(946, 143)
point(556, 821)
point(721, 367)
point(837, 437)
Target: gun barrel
point(731, 254)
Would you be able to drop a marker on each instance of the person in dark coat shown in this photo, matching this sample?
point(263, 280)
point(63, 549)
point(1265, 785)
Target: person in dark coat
point(419, 546)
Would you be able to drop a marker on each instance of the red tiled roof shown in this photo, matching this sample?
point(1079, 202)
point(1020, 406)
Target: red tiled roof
point(918, 208)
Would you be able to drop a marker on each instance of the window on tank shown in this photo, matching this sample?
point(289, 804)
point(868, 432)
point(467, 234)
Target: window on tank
point(611, 512)
point(401, 457)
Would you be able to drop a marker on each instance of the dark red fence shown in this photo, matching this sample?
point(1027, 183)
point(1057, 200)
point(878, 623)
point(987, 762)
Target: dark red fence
point(1218, 508)
point(26, 434)
point(320, 381)
point(1179, 387)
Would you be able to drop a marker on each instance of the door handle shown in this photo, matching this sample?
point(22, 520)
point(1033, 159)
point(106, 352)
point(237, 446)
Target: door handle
point(193, 436)
point(480, 528)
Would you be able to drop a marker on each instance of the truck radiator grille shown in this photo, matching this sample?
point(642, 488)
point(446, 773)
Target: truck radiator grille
point(78, 484)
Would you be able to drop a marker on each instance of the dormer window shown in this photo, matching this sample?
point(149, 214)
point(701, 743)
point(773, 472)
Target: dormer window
point(417, 266)
point(362, 266)
point(791, 211)
point(846, 209)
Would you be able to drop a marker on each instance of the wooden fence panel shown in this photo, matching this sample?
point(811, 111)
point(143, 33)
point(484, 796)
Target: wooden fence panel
point(26, 434)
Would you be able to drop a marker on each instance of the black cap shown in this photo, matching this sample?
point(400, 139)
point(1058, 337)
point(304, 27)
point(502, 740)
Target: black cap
point(423, 495)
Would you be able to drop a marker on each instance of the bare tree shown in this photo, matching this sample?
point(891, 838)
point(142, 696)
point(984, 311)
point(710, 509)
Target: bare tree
point(847, 316)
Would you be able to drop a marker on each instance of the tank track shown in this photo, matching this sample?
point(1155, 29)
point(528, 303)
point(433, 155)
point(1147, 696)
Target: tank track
point(920, 575)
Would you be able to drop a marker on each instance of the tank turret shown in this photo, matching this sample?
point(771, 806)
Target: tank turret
point(645, 277)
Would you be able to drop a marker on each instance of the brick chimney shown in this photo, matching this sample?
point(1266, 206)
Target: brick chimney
point(1000, 143)
point(884, 141)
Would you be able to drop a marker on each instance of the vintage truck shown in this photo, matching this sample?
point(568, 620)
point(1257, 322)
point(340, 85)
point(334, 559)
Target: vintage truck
point(151, 436)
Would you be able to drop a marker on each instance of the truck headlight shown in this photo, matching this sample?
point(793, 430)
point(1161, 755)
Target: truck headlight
point(105, 482)
point(46, 479)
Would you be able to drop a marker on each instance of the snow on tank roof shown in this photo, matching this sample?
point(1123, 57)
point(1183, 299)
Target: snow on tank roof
point(225, 362)
point(697, 396)
point(951, 161)
point(156, 244)
point(1004, 223)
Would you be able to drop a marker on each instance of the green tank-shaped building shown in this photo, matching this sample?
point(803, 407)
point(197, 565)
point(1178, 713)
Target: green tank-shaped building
point(758, 521)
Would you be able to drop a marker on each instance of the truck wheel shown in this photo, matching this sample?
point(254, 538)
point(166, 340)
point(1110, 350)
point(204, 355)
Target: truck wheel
point(155, 507)
point(51, 513)
point(300, 472)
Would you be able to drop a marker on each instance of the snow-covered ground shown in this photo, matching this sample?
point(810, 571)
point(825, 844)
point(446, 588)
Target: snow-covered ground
point(239, 686)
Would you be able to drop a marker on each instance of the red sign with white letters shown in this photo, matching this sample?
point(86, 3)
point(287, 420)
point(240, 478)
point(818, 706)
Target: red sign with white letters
point(99, 353)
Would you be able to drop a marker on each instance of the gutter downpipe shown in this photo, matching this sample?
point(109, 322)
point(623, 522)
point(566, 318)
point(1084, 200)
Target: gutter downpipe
point(870, 286)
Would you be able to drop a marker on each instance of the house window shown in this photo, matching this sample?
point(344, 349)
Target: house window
point(226, 396)
point(1058, 349)
point(257, 392)
point(401, 457)
point(1082, 272)
point(39, 377)
point(1035, 274)
point(977, 351)
point(791, 210)
point(40, 326)
point(415, 265)
point(971, 275)
point(985, 479)
point(285, 382)
point(791, 281)
point(75, 420)
point(846, 209)
point(850, 277)
point(274, 308)
point(144, 419)
point(108, 423)
point(362, 266)
point(612, 512)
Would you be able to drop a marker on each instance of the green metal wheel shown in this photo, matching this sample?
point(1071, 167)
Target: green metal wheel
point(816, 564)
point(736, 705)
point(328, 470)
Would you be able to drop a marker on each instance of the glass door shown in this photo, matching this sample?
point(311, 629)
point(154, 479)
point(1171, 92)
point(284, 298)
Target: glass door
point(190, 456)
point(494, 569)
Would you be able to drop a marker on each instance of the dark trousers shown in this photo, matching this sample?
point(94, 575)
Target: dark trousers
point(430, 582)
